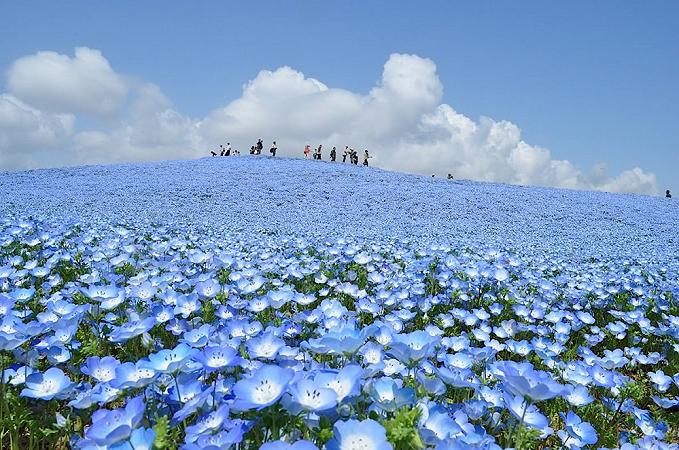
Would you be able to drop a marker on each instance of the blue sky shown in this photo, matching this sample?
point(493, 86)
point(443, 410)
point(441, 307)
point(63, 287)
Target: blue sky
point(591, 81)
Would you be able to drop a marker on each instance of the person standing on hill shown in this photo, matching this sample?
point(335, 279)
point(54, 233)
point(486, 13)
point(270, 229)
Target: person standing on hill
point(273, 149)
point(333, 154)
point(366, 157)
point(346, 152)
point(668, 194)
point(228, 149)
point(307, 150)
point(260, 146)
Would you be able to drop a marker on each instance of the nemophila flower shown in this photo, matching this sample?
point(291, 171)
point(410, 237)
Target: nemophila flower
point(209, 423)
point(355, 435)
point(108, 296)
point(461, 378)
point(169, 360)
point(475, 408)
point(265, 346)
point(666, 403)
point(221, 440)
point(6, 304)
point(112, 426)
point(131, 329)
point(346, 382)
point(577, 433)
point(101, 369)
point(413, 347)
point(198, 337)
point(187, 305)
point(281, 445)
point(140, 439)
point(660, 381)
point(263, 388)
point(53, 383)
point(131, 375)
point(104, 393)
point(309, 395)
point(345, 339)
point(217, 357)
point(522, 379)
point(525, 412)
point(162, 313)
point(208, 288)
point(578, 395)
point(58, 354)
point(388, 394)
point(436, 423)
point(17, 376)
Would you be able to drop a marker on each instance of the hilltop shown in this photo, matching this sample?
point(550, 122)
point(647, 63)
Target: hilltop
point(333, 200)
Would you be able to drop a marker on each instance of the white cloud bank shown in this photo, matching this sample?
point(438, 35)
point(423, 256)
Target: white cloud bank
point(401, 120)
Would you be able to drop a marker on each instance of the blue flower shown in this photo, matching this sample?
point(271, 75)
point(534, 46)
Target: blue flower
point(131, 375)
point(101, 369)
point(46, 386)
point(388, 394)
point(218, 357)
point(308, 395)
point(346, 383)
point(281, 445)
point(263, 388)
point(113, 426)
point(413, 347)
point(577, 433)
point(169, 361)
point(522, 379)
point(265, 346)
point(525, 412)
point(355, 435)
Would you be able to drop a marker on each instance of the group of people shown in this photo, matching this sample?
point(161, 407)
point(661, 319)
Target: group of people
point(259, 146)
point(317, 152)
point(226, 151)
point(348, 152)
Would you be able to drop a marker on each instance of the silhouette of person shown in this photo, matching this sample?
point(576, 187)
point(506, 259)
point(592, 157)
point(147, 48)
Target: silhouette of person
point(346, 152)
point(333, 154)
point(273, 149)
point(366, 157)
point(668, 194)
point(228, 149)
point(307, 150)
point(450, 176)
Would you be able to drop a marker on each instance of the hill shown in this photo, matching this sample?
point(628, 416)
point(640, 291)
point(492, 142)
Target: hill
point(330, 200)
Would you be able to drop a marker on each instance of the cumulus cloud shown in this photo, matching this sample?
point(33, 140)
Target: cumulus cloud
point(402, 120)
point(26, 131)
point(83, 84)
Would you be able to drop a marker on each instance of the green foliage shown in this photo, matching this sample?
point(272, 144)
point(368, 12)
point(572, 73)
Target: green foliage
point(402, 430)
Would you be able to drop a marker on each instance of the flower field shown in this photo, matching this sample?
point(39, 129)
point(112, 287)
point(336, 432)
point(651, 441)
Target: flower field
point(243, 303)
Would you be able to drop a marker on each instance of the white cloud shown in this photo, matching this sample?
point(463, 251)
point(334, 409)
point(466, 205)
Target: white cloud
point(401, 120)
point(84, 84)
point(26, 130)
point(152, 130)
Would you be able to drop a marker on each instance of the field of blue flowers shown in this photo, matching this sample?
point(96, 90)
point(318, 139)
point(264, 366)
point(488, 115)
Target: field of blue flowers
point(243, 303)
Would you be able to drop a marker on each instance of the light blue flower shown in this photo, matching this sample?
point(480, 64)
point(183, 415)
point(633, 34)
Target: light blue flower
point(53, 383)
point(578, 433)
point(263, 388)
point(355, 435)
